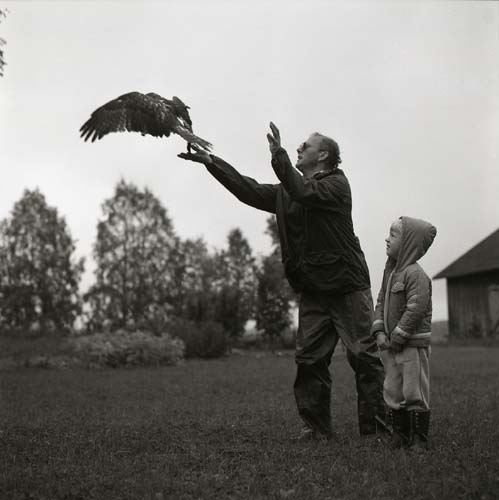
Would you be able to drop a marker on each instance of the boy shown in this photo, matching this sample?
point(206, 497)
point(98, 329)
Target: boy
point(402, 328)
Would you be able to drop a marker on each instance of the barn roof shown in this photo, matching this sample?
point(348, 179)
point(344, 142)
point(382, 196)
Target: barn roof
point(484, 256)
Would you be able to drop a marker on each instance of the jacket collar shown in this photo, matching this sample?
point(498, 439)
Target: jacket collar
point(324, 173)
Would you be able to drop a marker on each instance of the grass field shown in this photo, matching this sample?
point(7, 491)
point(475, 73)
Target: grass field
point(221, 429)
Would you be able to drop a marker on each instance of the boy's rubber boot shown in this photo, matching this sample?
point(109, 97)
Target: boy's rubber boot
point(400, 426)
point(419, 427)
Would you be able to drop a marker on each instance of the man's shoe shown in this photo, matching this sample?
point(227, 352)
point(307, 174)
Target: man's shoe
point(307, 434)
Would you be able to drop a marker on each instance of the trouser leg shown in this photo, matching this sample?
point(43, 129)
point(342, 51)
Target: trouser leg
point(416, 389)
point(369, 375)
point(313, 395)
point(393, 384)
point(352, 316)
point(415, 363)
point(315, 343)
point(394, 397)
point(407, 394)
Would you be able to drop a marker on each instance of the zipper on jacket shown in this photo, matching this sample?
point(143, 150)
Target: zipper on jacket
point(387, 302)
point(305, 230)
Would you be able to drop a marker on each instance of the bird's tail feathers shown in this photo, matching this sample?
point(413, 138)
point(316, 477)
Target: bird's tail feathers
point(196, 142)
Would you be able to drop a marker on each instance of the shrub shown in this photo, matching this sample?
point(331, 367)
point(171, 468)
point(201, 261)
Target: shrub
point(206, 339)
point(122, 348)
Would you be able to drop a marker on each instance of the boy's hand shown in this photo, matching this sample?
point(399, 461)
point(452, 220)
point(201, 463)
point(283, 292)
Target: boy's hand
point(382, 342)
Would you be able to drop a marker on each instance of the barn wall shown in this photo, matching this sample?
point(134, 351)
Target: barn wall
point(469, 305)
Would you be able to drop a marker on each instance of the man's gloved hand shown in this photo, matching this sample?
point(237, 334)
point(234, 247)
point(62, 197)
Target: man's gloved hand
point(274, 138)
point(198, 157)
point(382, 341)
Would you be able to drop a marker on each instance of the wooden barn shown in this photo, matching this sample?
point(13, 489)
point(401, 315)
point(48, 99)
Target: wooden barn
point(473, 291)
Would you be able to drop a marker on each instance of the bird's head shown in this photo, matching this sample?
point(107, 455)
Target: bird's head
point(182, 110)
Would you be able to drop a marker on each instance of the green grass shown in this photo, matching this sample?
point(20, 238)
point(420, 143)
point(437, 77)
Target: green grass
point(222, 428)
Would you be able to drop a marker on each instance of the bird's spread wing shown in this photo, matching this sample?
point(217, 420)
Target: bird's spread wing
point(133, 112)
point(196, 142)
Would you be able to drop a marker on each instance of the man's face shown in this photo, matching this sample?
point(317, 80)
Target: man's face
point(394, 240)
point(308, 153)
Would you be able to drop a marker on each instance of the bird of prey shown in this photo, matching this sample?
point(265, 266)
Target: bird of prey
point(145, 113)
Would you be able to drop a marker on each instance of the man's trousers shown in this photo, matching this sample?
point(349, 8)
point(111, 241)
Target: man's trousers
point(323, 320)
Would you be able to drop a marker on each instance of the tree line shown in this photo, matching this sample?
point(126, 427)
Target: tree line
point(3, 13)
point(146, 278)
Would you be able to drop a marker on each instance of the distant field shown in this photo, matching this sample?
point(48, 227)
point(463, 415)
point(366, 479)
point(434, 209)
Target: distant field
point(221, 429)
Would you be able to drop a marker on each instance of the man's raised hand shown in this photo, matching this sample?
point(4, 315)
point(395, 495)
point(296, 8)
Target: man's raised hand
point(274, 138)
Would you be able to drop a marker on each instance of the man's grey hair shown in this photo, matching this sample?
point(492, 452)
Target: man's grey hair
point(331, 146)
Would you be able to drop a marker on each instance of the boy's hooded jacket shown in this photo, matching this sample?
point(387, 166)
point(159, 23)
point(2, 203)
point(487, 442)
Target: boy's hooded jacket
point(403, 309)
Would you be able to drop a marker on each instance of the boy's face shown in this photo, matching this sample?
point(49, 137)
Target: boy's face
point(394, 240)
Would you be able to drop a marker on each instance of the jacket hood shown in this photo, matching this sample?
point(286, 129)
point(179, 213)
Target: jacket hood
point(417, 237)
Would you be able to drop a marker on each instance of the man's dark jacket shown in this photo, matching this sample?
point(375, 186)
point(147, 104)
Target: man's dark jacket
point(320, 251)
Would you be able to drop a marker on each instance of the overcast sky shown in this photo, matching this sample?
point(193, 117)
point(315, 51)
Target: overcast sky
point(410, 90)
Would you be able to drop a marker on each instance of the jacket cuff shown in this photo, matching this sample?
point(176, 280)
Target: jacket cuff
point(278, 151)
point(399, 336)
point(378, 326)
point(277, 156)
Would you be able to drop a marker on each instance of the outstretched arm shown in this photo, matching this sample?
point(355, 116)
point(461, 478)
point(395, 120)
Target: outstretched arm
point(329, 192)
point(245, 189)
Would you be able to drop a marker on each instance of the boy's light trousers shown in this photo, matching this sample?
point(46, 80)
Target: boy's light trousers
point(407, 378)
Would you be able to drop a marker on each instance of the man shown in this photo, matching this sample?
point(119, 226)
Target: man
point(324, 263)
